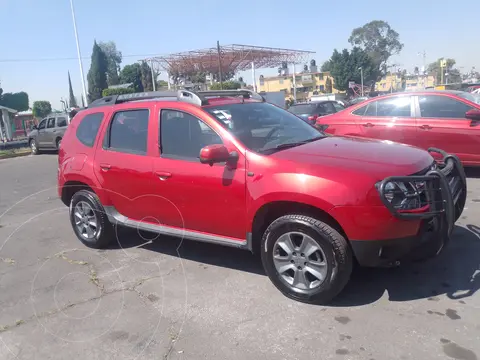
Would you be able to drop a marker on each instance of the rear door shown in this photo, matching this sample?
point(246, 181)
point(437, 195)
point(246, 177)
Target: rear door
point(442, 124)
point(391, 118)
point(122, 163)
point(60, 126)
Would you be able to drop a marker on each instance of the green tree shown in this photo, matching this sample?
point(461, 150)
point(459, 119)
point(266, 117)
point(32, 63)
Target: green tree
point(454, 75)
point(328, 85)
point(345, 67)
point(132, 74)
point(379, 40)
point(226, 85)
point(71, 98)
point(326, 66)
point(97, 75)
point(162, 84)
point(114, 59)
point(17, 101)
point(41, 108)
point(117, 91)
point(146, 76)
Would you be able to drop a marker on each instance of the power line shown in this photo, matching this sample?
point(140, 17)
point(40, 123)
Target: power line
point(69, 58)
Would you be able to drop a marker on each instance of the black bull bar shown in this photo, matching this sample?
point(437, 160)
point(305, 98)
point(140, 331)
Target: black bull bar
point(445, 193)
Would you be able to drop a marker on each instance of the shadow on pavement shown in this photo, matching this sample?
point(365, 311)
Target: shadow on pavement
point(452, 273)
point(472, 172)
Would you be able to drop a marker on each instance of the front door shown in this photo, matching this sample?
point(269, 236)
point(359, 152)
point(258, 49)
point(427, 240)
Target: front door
point(41, 132)
point(194, 196)
point(391, 119)
point(442, 124)
point(123, 165)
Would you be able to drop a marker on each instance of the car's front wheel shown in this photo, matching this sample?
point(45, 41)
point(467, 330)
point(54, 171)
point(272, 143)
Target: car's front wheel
point(89, 221)
point(33, 147)
point(306, 259)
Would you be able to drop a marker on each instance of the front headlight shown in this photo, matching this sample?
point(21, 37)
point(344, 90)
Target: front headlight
point(405, 195)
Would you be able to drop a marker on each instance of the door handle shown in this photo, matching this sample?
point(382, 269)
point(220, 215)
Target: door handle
point(162, 175)
point(368, 125)
point(426, 127)
point(54, 131)
point(105, 167)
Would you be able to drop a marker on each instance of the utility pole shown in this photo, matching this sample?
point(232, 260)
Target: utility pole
point(424, 72)
point(79, 54)
point(294, 85)
point(219, 65)
point(361, 77)
point(154, 80)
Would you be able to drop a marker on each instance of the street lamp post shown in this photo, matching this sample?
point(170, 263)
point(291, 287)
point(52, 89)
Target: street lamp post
point(361, 78)
point(79, 54)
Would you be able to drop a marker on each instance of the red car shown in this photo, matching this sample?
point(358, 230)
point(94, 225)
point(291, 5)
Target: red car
point(449, 120)
point(225, 167)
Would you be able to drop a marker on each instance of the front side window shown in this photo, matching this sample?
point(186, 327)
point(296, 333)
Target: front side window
point(183, 135)
point(41, 126)
point(88, 128)
point(128, 132)
point(263, 127)
point(437, 106)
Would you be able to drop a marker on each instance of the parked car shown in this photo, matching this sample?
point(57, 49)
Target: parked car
point(311, 111)
point(265, 181)
point(48, 134)
point(357, 100)
point(445, 119)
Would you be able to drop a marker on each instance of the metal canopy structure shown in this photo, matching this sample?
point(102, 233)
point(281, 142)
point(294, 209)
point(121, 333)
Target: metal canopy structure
point(228, 58)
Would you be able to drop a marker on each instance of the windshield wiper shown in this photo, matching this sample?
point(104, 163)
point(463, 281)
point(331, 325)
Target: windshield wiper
point(297, 143)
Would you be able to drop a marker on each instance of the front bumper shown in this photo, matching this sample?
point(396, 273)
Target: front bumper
point(445, 193)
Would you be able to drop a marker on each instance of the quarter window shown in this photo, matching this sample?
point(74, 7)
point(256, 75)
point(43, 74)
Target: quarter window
point(432, 106)
point(183, 135)
point(360, 111)
point(51, 123)
point(88, 128)
point(129, 132)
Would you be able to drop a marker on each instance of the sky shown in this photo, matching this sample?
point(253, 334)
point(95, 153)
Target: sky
point(37, 40)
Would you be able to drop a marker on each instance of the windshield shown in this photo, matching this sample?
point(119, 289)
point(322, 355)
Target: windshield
point(263, 127)
point(475, 98)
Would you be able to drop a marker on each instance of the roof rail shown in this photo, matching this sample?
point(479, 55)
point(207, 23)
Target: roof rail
point(198, 98)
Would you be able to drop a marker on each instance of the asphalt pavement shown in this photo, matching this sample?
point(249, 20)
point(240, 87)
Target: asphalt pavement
point(173, 299)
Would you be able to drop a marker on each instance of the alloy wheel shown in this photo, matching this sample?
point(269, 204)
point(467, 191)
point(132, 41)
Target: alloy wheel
point(300, 261)
point(85, 220)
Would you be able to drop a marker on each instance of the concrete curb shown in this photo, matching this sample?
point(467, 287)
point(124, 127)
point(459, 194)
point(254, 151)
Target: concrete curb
point(8, 156)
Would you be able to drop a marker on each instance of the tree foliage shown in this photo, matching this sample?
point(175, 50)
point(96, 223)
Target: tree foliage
point(379, 40)
point(226, 85)
point(454, 75)
point(326, 66)
point(41, 108)
point(146, 76)
point(117, 91)
point(132, 74)
point(114, 59)
point(97, 75)
point(345, 67)
point(17, 101)
point(328, 85)
point(71, 98)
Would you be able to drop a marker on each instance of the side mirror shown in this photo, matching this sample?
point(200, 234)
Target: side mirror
point(212, 154)
point(473, 115)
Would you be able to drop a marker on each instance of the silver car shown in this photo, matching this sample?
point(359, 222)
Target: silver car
point(49, 133)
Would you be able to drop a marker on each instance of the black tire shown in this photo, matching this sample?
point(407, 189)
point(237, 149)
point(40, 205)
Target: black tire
point(337, 253)
point(57, 143)
point(33, 147)
point(460, 205)
point(105, 233)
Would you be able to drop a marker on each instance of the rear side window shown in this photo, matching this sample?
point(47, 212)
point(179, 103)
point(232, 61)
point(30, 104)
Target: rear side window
point(88, 128)
point(129, 132)
point(61, 122)
point(434, 106)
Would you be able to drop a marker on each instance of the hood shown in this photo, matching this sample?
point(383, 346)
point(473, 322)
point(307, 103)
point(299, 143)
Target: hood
point(380, 158)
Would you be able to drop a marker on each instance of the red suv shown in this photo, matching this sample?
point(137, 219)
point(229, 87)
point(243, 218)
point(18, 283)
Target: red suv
point(446, 119)
point(226, 167)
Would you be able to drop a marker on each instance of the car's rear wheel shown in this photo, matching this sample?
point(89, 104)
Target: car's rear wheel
point(89, 221)
point(58, 142)
point(306, 259)
point(460, 205)
point(33, 147)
